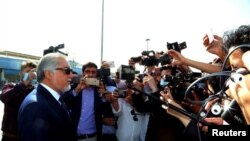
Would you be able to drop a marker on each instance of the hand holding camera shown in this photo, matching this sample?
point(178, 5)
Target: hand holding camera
point(86, 82)
point(114, 96)
point(211, 40)
point(81, 85)
point(178, 58)
point(92, 81)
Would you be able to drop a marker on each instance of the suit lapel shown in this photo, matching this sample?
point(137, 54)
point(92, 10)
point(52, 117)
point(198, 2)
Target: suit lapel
point(52, 102)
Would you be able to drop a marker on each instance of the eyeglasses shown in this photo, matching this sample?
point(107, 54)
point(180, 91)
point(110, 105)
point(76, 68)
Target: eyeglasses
point(66, 70)
point(132, 112)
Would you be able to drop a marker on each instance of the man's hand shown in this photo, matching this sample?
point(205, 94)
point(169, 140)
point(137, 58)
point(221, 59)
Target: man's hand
point(82, 85)
point(150, 81)
point(31, 75)
point(178, 58)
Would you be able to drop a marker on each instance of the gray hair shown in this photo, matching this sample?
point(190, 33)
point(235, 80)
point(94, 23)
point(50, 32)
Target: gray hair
point(48, 62)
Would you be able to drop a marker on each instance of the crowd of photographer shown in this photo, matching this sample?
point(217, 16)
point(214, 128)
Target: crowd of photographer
point(206, 101)
point(224, 105)
point(165, 102)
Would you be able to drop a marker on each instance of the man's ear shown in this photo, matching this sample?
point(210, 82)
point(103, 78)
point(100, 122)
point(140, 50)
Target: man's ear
point(48, 74)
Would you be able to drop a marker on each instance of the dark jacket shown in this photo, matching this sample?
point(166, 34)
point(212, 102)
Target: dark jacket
point(161, 125)
point(42, 118)
point(12, 96)
point(192, 132)
point(75, 104)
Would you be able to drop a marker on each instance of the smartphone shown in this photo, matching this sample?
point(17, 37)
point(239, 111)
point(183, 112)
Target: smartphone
point(210, 36)
point(25, 76)
point(92, 81)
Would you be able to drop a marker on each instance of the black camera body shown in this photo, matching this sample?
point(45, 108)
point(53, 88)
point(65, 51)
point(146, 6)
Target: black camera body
point(181, 78)
point(126, 73)
point(147, 58)
point(165, 59)
point(176, 46)
point(179, 82)
point(148, 53)
point(233, 115)
point(150, 61)
point(136, 59)
point(103, 72)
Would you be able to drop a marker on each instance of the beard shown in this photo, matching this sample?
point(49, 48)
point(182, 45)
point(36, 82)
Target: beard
point(66, 89)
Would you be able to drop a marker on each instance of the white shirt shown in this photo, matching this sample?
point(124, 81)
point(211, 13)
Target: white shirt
point(128, 129)
point(55, 94)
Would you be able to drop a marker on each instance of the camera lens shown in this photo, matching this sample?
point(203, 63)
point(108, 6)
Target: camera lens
point(216, 109)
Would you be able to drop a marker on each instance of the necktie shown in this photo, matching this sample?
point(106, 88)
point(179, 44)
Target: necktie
point(64, 106)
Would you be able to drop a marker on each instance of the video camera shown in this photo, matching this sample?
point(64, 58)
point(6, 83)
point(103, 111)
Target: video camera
point(165, 59)
point(148, 58)
point(103, 72)
point(126, 73)
point(53, 49)
point(176, 46)
point(179, 82)
point(181, 78)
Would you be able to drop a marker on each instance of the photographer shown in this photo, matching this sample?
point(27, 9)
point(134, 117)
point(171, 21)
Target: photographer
point(215, 47)
point(130, 122)
point(195, 129)
point(191, 131)
point(238, 81)
point(239, 61)
point(161, 126)
point(12, 96)
point(85, 103)
point(108, 118)
point(104, 74)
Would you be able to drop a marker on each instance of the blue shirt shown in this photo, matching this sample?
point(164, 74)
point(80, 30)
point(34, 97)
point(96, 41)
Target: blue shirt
point(87, 123)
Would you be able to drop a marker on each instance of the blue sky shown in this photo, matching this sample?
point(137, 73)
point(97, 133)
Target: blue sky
point(30, 26)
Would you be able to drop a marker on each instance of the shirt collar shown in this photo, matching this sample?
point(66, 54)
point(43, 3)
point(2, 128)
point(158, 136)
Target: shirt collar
point(52, 92)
